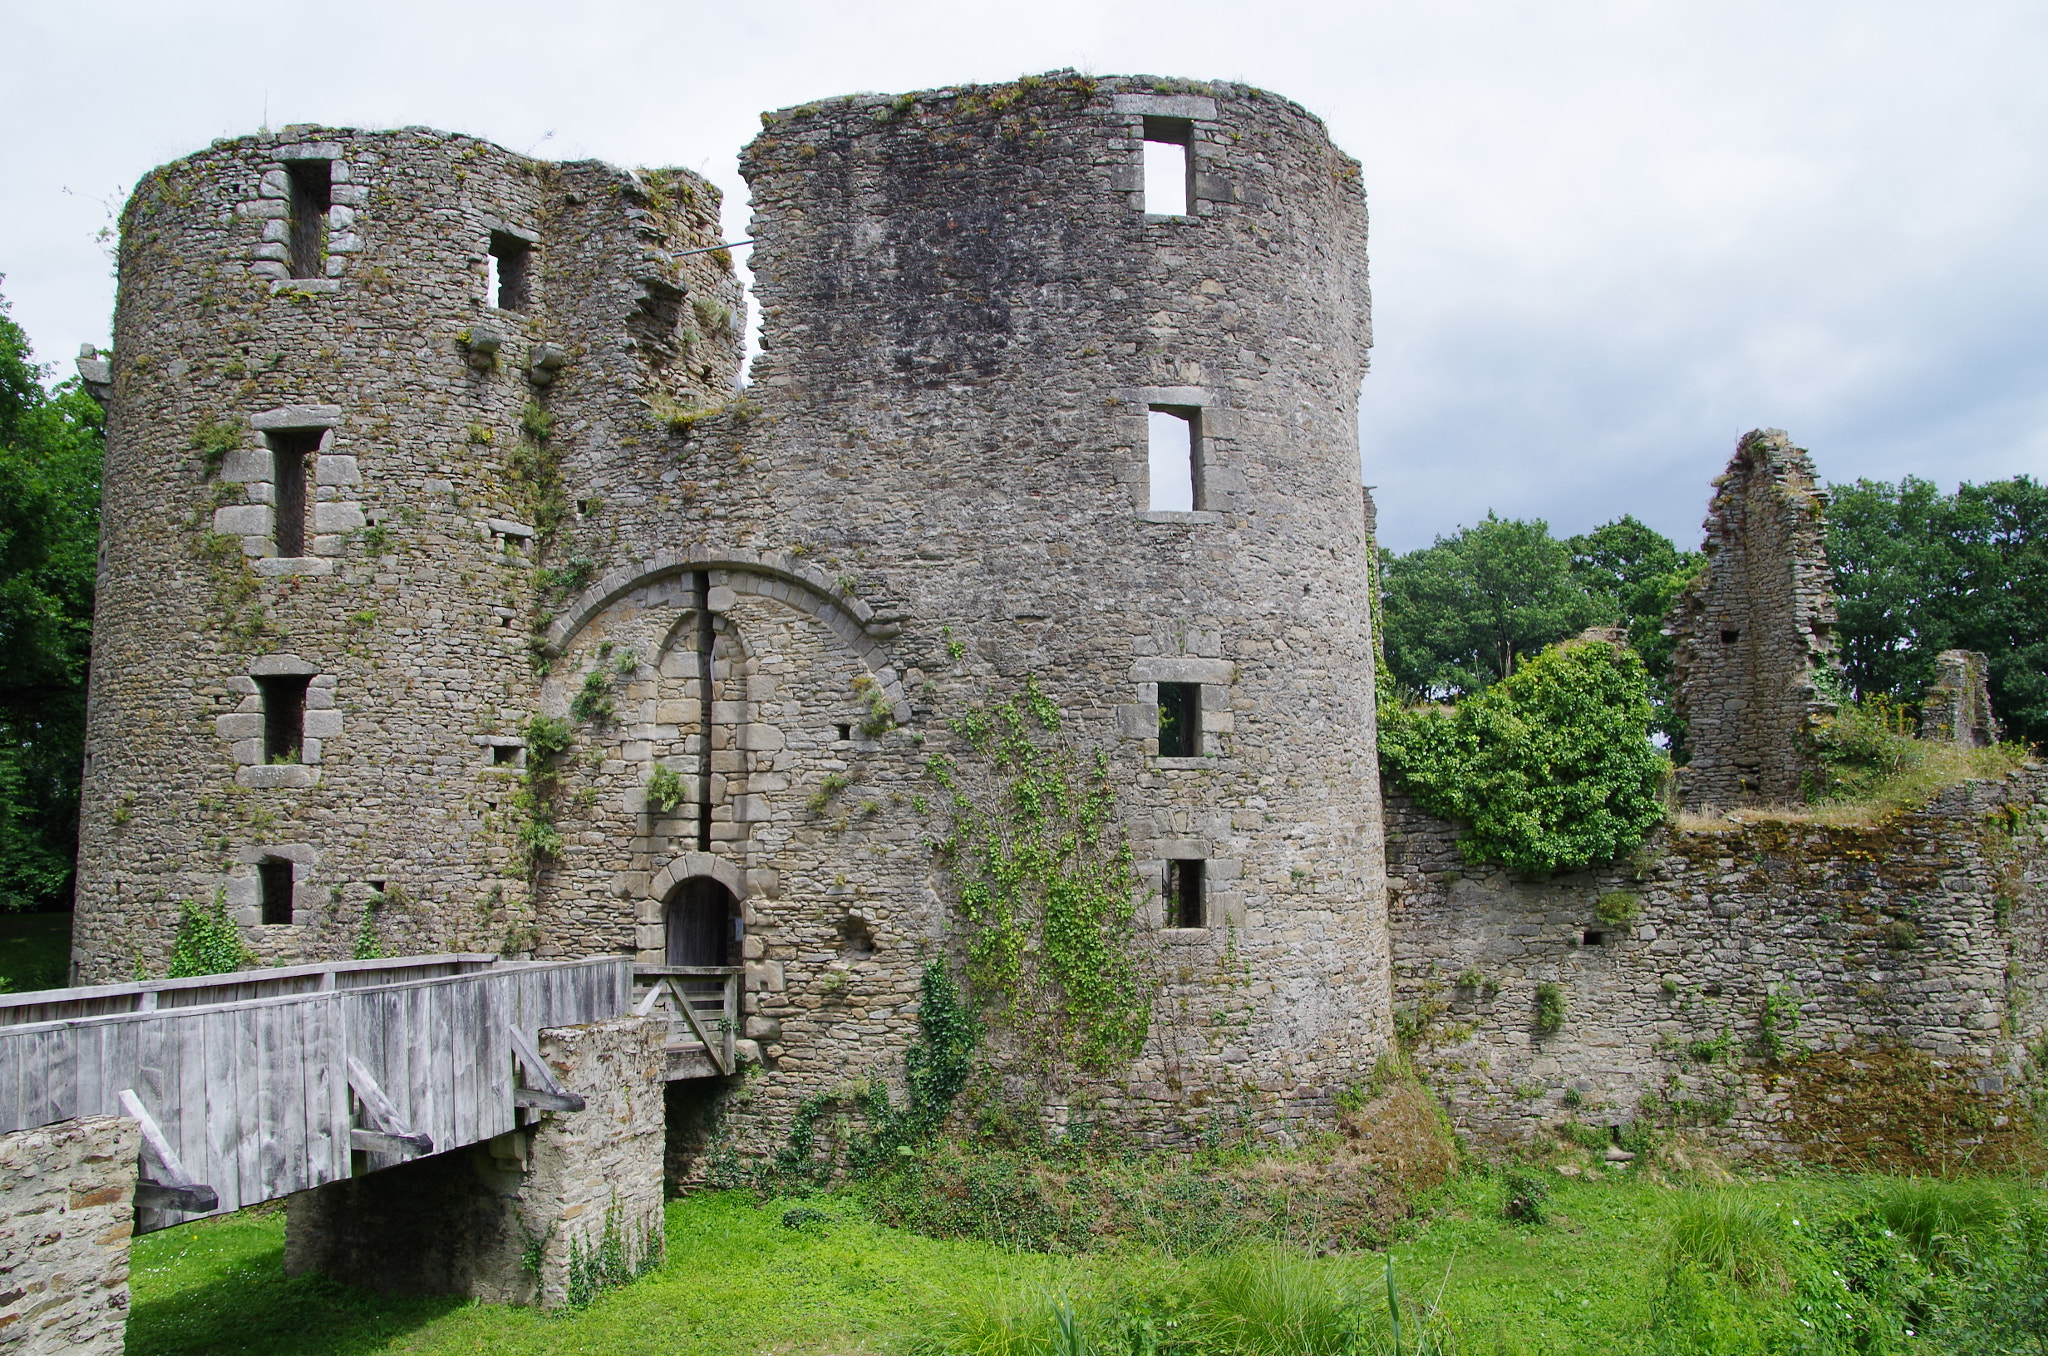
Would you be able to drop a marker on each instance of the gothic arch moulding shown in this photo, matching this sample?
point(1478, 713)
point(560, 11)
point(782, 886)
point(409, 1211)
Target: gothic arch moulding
point(766, 574)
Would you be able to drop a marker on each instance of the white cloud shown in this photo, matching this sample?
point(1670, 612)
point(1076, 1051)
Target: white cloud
point(1608, 237)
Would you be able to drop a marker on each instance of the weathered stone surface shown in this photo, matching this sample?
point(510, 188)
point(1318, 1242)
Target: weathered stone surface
point(66, 1215)
point(1923, 933)
point(1756, 632)
point(1957, 709)
point(939, 470)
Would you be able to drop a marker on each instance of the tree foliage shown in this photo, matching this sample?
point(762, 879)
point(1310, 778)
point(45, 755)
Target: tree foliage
point(1460, 614)
point(1552, 766)
point(50, 446)
point(1918, 572)
point(1639, 573)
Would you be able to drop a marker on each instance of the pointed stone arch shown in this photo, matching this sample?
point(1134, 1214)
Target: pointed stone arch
point(766, 574)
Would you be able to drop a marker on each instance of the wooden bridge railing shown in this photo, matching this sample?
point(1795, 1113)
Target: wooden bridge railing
point(268, 1082)
point(702, 1006)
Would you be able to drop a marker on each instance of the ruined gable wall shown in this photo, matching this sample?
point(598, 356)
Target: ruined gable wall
point(1754, 631)
point(1904, 960)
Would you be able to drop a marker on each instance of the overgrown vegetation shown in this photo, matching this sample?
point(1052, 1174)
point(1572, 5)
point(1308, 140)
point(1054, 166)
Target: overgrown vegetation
point(1821, 1267)
point(547, 739)
point(1045, 888)
point(1551, 767)
point(208, 942)
point(1873, 763)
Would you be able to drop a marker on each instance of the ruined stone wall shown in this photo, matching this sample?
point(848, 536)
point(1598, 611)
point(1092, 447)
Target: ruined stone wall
point(66, 1219)
point(410, 607)
point(1755, 630)
point(1957, 707)
point(1895, 970)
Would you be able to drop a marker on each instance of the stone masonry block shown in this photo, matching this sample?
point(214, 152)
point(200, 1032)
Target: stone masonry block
point(66, 1193)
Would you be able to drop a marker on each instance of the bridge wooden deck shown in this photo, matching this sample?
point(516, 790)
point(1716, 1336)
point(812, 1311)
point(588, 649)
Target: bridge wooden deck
point(255, 1085)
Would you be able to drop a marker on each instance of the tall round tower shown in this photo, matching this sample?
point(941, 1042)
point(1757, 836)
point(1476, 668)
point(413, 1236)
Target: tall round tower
point(1065, 373)
point(346, 367)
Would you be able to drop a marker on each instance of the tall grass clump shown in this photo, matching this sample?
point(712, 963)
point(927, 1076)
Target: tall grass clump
point(1873, 764)
point(1944, 1223)
point(1730, 1237)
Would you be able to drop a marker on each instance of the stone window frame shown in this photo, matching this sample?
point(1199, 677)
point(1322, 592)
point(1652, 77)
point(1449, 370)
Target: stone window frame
point(493, 229)
point(269, 255)
point(1127, 173)
point(334, 474)
point(1223, 897)
point(512, 748)
point(241, 886)
point(242, 729)
point(1218, 482)
point(1140, 719)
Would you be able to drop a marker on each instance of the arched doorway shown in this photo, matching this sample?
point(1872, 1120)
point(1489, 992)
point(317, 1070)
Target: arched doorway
point(701, 916)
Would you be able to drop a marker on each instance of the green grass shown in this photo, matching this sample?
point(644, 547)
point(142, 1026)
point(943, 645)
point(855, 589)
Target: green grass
point(35, 951)
point(1622, 1266)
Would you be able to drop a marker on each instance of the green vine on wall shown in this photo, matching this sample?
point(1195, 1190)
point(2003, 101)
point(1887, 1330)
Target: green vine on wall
point(547, 738)
point(208, 942)
point(1044, 883)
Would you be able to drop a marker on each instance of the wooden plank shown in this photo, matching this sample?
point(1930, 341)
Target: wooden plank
point(10, 1083)
point(272, 1131)
point(391, 1146)
point(222, 1166)
point(322, 1124)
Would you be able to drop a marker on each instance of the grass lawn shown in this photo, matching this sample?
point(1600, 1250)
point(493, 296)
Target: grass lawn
point(35, 951)
point(738, 1280)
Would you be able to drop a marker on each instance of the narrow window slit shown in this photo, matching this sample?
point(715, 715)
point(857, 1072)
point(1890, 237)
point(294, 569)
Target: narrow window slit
point(312, 193)
point(510, 272)
point(1186, 906)
point(1174, 457)
point(284, 717)
point(1180, 720)
point(274, 877)
point(290, 450)
point(1168, 166)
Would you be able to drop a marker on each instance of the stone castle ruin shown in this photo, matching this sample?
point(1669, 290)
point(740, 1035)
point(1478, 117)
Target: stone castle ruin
point(456, 597)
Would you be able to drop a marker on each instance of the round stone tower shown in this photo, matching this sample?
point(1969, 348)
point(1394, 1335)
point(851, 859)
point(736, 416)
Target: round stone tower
point(339, 456)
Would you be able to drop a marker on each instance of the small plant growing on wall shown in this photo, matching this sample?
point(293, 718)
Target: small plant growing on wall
point(1618, 908)
point(546, 740)
point(213, 441)
point(1776, 1023)
point(1549, 1009)
point(664, 789)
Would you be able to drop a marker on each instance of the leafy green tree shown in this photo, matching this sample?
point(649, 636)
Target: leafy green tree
point(50, 447)
point(1552, 766)
point(1461, 614)
point(1918, 572)
point(1640, 573)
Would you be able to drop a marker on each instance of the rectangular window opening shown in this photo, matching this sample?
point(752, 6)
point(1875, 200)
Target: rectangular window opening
point(1180, 720)
point(505, 755)
point(312, 193)
point(284, 717)
point(1173, 457)
point(275, 877)
point(290, 450)
point(1186, 906)
point(509, 266)
point(1169, 166)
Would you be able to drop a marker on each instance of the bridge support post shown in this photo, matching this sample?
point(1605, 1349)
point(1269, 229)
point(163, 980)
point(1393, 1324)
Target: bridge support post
point(522, 1219)
point(66, 1218)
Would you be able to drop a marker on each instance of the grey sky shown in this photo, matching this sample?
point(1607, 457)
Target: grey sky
point(1608, 237)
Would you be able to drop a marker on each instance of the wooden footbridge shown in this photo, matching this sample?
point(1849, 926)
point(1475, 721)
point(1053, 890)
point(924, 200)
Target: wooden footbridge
point(255, 1085)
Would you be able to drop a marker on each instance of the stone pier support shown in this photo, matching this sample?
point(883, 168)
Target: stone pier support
point(66, 1218)
point(522, 1218)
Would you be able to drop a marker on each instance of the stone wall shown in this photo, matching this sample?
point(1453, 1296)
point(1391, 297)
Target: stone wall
point(510, 1221)
point(66, 1217)
point(1790, 988)
point(1957, 708)
point(1755, 631)
point(936, 485)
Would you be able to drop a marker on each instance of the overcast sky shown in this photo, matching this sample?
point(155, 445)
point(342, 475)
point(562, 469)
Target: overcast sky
point(1607, 237)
